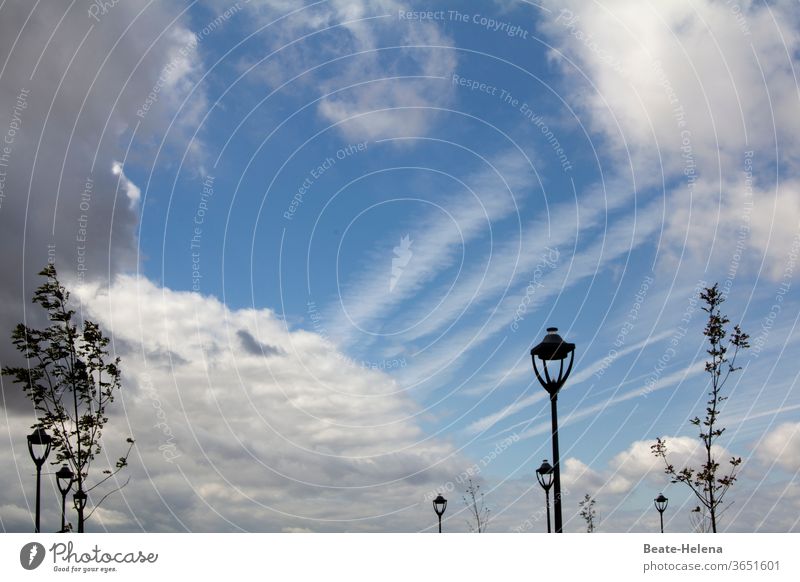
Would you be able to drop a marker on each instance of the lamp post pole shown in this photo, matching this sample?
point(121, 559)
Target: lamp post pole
point(439, 505)
point(554, 349)
point(36, 440)
point(557, 460)
point(547, 506)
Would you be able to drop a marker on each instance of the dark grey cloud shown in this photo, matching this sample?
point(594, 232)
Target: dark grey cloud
point(255, 347)
point(71, 88)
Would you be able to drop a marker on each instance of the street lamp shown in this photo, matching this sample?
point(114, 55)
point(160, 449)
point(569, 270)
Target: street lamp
point(79, 501)
point(554, 349)
point(64, 479)
point(661, 503)
point(544, 475)
point(39, 443)
point(439, 505)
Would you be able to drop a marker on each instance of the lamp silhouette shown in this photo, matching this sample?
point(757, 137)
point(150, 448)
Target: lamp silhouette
point(661, 503)
point(439, 505)
point(39, 443)
point(64, 479)
point(544, 474)
point(79, 500)
point(554, 349)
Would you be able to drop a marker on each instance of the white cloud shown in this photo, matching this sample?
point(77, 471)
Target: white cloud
point(552, 235)
point(131, 190)
point(440, 238)
point(356, 36)
point(782, 446)
point(490, 420)
point(620, 240)
point(646, 388)
point(682, 90)
point(639, 463)
point(617, 485)
point(228, 438)
point(625, 486)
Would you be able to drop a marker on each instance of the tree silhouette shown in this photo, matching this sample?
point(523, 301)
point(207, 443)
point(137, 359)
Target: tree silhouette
point(71, 380)
point(588, 512)
point(476, 504)
point(706, 482)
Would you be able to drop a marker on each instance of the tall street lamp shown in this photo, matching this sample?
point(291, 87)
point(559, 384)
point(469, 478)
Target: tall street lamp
point(544, 475)
point(64, 479)
point(39, 443)
point(439, 505)
point(661, 503)
point(554, 349)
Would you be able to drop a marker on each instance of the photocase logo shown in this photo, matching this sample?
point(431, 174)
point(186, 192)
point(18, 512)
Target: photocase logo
point(402, 254)
point(31, 555)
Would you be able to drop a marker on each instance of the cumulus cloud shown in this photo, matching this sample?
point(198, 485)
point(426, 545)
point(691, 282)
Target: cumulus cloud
point(228, 439)
point(634, 466)
point(634, 476)
point(629, 472)
point(625, 485)
point(782, 446)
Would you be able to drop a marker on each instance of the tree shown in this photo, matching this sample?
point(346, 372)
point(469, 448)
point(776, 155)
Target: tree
point(708, 483)
point(71, 381)
point(476, 504)
point(588, 512)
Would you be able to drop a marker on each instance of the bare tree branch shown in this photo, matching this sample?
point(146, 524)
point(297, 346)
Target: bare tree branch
point(476, 504)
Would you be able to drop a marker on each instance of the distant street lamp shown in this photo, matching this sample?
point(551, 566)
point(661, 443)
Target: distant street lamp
point(39, 443)
point(554, 349)
point(439, 505)
point(64, 479)
point(661, 503)
point(544, 475)
point(79, 501)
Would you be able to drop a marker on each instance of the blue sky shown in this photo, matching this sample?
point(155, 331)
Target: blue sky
point(422, 189)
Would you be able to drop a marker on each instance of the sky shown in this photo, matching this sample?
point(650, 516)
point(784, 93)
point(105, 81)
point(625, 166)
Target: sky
point(323, 238)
